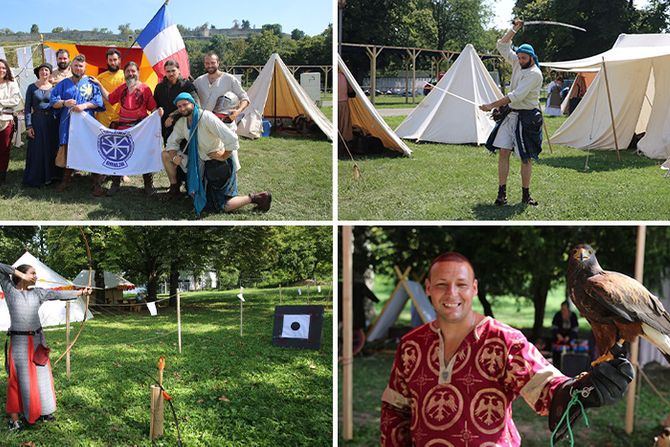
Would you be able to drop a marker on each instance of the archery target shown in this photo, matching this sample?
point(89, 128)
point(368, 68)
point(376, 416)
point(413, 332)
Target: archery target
point(295, 326)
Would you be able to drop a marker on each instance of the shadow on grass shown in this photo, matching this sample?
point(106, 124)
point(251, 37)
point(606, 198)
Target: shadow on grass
point(598, 162)
point(129, 203)
point(485, 211)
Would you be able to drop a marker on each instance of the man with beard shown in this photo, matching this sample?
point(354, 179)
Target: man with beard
point(75, 94)
point(519, 123)
point(165, 93)
point(215, 83)
point(63, 71)
point(110, 80)
point(136, 103)
point(208, 160)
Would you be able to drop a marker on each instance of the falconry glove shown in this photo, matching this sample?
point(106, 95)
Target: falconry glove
point(604, 385)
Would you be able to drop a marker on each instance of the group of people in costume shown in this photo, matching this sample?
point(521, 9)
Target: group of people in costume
point(202, 153)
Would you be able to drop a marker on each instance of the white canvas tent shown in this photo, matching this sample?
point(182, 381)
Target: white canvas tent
point(444, 118)
point(52, 313)
point(366, 117)
point(276, 93)
point(114, 284)
point(404, 290)
point(638, 73)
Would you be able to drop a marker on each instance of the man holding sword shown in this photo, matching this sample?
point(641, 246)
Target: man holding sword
point(519, 119)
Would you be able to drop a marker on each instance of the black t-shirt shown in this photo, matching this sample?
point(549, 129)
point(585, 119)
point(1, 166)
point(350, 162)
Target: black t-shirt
point(165, 93)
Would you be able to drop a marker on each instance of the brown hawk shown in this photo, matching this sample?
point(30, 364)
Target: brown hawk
point(617, 306)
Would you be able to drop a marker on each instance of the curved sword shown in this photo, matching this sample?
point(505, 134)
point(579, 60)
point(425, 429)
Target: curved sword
point(549, 22)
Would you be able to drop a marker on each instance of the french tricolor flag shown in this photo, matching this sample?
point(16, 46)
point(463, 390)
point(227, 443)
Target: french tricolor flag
point(161, 41)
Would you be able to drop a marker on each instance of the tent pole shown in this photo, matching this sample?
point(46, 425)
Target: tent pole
point(609, 101)
point(546, 132)
point(347, 333)
point(67, 338)
point(44, 59)
point(274, 95)
point(635, 345)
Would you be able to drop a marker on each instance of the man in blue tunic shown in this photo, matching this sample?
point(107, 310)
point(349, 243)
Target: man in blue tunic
point(76, 94)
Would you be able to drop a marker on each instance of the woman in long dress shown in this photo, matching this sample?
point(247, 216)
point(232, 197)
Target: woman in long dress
point(30, 388)
point(10, 98)
point(42, 130)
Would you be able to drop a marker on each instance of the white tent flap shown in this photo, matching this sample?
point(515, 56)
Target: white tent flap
point(445, 118)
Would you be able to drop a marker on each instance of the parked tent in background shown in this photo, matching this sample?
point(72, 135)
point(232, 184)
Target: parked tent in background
point(277, 95)
point(365, 117)
point(52, 313)
point(444, 118)
point(114, 285)
point(638, 69)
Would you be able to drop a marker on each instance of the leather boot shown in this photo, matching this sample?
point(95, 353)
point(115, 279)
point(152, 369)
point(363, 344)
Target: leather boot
point(67, 178)
point(526, 198)
point(502, 196)
point(116, 185)
point(262, 200)
point(98, 190)
point(148, 184)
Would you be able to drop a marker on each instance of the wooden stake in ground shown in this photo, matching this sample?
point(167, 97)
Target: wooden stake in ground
point(67, 339)
point(179, 321)
point(241, 298)
point(157, 404)
point(347, 333)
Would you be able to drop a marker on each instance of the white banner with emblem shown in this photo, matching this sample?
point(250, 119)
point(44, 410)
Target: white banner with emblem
point(94, 148)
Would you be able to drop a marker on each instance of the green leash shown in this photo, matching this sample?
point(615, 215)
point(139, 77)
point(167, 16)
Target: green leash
point(566, 415)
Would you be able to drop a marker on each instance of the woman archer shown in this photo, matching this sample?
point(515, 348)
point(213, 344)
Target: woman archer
point(30, 388)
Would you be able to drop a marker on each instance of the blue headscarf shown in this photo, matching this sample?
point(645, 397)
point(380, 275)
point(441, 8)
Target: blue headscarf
point(194, 181)
point(528, 49)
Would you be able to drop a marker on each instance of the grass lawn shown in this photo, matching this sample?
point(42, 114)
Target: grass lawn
point(396, 101)
point(455, 182)
point(298, 171)
point(372, 369)
point(227, 389)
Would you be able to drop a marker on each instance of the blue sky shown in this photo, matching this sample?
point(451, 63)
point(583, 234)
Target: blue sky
point(311, 16)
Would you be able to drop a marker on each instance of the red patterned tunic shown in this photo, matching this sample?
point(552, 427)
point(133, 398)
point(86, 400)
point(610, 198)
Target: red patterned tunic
point(467, 402)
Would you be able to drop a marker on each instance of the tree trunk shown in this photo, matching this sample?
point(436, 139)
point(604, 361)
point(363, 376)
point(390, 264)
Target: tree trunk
point(99, 282)
point(481, 293)
point(540, 289)
point(152, 279)
point(174, 283)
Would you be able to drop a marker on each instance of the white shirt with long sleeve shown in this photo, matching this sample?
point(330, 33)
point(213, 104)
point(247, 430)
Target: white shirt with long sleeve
point(213, 135)
point(10, 98)
point(526, 83)
point(210, 93)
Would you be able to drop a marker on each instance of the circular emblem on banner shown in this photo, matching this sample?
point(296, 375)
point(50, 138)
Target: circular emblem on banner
point(442, 407)
point(488, 409)
point(115, 148)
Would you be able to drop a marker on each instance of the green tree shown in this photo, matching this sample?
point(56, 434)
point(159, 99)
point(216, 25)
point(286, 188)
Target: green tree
point(125, 29)
point(34, 29)
point(260, 46)
point(274, 28)
point(297, 34)
point(58, 29)
point(246, 25)
point(466, 16)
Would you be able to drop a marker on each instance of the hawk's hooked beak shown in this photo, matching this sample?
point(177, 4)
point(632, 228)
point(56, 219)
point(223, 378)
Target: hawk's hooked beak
point(582, 255)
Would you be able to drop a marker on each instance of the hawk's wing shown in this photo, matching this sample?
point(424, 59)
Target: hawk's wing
point(627, 300)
